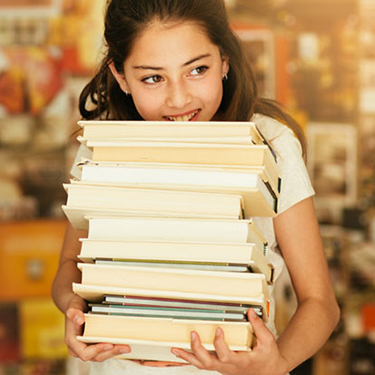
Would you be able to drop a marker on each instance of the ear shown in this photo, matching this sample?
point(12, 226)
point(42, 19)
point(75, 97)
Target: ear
point(120, 78)
point(225, 65)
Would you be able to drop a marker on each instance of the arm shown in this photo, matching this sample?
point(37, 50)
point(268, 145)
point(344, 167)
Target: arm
point(67, 272)
point(74, 306)
point(297, 232)
point(316, 316)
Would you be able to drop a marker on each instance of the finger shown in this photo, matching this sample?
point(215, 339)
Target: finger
point(72, 353)
point(208, 360)
point(229, 358)
point(105, 351)
point(224, 354)
point(186, 356)
point(93, 352)
point(197, 349)
point(72, 330)
point(262, 333)
point(78, 303)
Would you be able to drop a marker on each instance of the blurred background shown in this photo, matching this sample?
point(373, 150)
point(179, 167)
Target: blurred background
point(316, 57)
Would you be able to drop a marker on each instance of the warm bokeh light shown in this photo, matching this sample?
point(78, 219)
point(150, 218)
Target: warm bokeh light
point(315, 57)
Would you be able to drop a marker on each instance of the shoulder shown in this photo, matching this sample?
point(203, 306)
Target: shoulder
point(270, 127)
point(296, 184)
point(280, 137)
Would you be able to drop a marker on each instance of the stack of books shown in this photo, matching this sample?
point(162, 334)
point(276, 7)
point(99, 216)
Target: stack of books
point(171, 244)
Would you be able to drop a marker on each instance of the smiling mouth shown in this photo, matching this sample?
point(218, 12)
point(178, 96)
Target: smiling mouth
point(184, 117)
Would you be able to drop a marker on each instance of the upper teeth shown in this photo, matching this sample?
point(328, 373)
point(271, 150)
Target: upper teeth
point(183, 118)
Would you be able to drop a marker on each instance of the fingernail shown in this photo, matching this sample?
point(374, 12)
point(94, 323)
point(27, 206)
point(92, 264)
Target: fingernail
point(253, 313)
point(124, 351)
point(78, 320)
point(193, 336)
point(218, 332)
point(108, 347)
point(175, 352)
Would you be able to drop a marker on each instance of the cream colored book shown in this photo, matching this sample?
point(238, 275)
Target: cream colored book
point(87, 198)
point(174, 229)
point(152, 350)
point(156, 332)
point(96, 293)
point(187, 153)
point(270, 178)
point(250, 285)
point(77, 216)
point(171, 130)
point(262, 200)
point(239, 140)
point(195, 252)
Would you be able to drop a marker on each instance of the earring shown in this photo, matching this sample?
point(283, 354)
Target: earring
point(225, 77)
point(127, 93)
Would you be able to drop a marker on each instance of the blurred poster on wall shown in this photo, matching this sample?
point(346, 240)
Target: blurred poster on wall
point(30, 79)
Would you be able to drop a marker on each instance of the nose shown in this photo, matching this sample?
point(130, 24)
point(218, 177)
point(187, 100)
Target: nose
point(178, 95)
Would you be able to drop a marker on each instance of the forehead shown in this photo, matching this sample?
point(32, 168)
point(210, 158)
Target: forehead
point(178, 40)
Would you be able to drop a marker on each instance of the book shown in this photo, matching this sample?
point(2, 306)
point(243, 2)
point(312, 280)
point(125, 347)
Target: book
point(77, 216)
point(199, 266)
point(84, 200)
point(270, 177)
point(96, 293)
point(168, 130)
point(226, 267)
point(258, 196)
point(150, 350)
point(169, 312)
point(174, 229)
point(233, 140)
point(251, 255)
point(185, 153)
point(107, 328)
point(216, 283)
point(178, 303)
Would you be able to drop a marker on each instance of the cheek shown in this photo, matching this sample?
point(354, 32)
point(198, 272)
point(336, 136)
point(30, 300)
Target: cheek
point(212, 93)
point(146, 105)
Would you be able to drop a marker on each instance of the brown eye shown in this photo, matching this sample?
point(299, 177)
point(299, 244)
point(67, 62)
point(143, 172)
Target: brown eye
point(152, 79)
point(199, 70)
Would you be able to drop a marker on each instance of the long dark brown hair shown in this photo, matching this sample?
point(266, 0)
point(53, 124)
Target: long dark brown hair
point(126, 19)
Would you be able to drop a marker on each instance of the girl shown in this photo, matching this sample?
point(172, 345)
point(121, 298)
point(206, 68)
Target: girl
point(179, 60)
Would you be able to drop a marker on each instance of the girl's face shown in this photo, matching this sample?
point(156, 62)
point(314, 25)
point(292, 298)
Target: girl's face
point(174, 73)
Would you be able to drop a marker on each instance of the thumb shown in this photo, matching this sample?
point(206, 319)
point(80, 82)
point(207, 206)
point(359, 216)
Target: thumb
point(261, 332)
point(75, 310)
point(76, 315)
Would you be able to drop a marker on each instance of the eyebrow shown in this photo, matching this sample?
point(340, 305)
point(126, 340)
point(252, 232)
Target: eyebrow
point(146, 67)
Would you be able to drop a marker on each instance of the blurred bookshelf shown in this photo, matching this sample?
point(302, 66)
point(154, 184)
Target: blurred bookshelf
point(43, 67)
point(325, 78)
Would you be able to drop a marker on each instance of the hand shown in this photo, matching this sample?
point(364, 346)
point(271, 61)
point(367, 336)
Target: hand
point(74, 320)
point(264, 359)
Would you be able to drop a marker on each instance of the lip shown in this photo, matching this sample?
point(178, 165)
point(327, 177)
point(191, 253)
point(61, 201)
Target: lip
point(194, 118)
